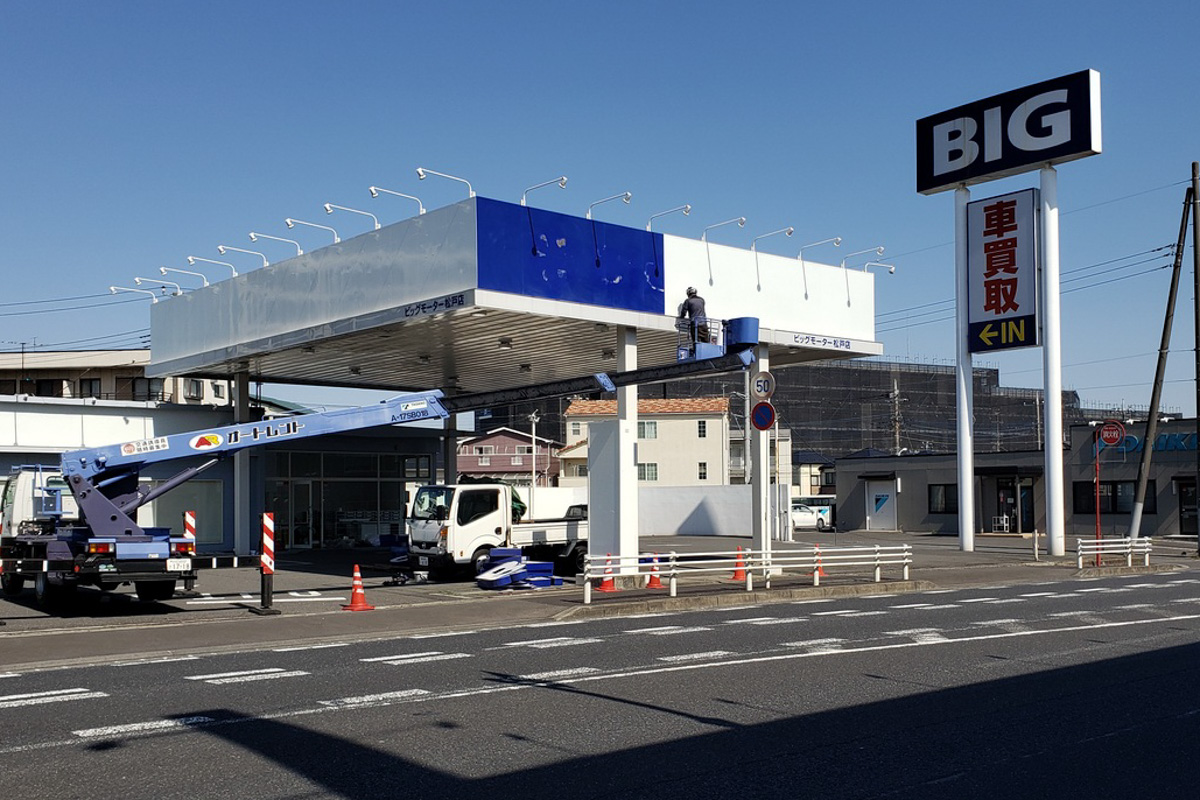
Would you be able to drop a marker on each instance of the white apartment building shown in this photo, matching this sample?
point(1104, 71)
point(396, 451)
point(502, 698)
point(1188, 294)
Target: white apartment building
point(683, 442)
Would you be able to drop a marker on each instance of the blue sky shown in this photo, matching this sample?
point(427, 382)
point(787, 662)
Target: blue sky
point(135, 134)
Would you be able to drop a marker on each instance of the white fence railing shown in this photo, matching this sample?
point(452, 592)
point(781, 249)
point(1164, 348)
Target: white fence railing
point(1141, 546)
point(663, 571)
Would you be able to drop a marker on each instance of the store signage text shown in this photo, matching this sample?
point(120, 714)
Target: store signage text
point(1164, 442)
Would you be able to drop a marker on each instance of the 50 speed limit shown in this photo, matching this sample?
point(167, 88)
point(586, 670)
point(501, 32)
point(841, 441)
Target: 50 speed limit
point(762, 386)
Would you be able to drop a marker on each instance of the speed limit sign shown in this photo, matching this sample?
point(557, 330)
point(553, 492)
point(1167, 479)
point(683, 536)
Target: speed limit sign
point(762, 386)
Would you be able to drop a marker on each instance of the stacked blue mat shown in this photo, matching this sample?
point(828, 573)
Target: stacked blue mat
point(506, 568)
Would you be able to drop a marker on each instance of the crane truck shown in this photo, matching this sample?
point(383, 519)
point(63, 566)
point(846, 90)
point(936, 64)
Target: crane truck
point(77, 525)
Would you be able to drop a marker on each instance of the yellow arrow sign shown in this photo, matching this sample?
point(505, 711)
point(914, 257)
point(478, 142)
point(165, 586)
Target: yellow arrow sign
point(987, 334)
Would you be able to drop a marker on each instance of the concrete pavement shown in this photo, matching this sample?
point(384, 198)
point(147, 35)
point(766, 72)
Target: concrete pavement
point(311, 586)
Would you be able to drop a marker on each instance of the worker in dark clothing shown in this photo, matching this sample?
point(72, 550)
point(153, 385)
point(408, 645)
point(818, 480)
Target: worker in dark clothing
point(692, 309)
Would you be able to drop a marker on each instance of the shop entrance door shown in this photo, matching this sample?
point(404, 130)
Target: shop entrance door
point(1187, 508)
point(303, 519)
point(881, 505)
point(1014, 500)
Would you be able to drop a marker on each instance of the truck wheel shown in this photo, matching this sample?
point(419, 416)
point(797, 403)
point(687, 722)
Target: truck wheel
point(11, 584)
point(51, 594)
point(151, 591)
point(480, 559)
point(573, 562)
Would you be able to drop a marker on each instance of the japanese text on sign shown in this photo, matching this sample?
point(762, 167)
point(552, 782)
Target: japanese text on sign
point(1002, 268)
point(810, 340)
point(450, 301)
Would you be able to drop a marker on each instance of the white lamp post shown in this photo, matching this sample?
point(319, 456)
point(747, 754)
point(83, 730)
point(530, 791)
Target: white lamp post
point(560, 180)
point(741, 223)
point(115, 289)
point(686, 208)
point(193, 259)
point(329, 207)
point(221, 248)
point(165, 270)
point(291, 223)
point(890, 268)
point(422, 173)
point(375, 190)
point(788, 231)
point(836, 241)
point(254, 237)
point(625, 196)
point(876, 250)
point(161, 284)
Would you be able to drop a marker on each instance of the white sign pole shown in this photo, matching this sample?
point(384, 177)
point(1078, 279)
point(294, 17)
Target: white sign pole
point(1052, 357)
point(966, 439)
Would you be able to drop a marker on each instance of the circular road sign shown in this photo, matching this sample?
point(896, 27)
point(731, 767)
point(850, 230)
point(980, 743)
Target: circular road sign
point(762, 416)
point(762, 386)
point(1112, 433)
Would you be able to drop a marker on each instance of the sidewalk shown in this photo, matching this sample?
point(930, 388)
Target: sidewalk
point(311, 586)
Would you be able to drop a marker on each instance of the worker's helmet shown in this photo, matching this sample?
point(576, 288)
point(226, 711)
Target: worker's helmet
point(691, 292)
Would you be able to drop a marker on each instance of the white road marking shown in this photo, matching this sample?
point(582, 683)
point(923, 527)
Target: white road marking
point(781, 620)
point(400, 662)
point(749, 621)
point(865, 613)
point(246, 675)
point(1004, 624)
point(1040, 594)
point(310, 647)
point(837, 613)
point(696, 656)
point(978, 599)
point(668, 630)
point(818, 645)
point(558, 674)
point(945, 605)
point(38, 698)
point(542, 644)
point(374, 699)
point(912, 605)
point(163, 660)
point(921, 635)
point(141, 727)
point(275, 599)
point(808, 602)
point(1004, 600)
point(10, 674)
point(441, 634)
point(1186, 600)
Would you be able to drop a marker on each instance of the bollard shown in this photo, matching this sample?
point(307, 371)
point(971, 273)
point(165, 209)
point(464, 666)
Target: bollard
point(267, 566)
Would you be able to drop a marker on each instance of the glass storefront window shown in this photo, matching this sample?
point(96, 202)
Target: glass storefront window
point(351, 465)
point(306, 465)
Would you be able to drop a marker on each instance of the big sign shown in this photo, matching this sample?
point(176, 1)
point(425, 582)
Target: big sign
point(1046, 123)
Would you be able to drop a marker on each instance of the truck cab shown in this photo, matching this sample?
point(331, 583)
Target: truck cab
point(457, 525)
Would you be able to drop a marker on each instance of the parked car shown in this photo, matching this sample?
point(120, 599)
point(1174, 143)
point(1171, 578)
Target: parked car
point(808, 517)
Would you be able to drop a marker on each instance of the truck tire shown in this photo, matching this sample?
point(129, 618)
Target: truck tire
point(573, 562)
point(11, 584)
point(479, 560)
point(50, 594)
point(152, 591)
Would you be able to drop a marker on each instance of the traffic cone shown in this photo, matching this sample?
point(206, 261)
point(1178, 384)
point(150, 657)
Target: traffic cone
point(358, 598)
point(654, 582)
point(608, 584)
point(739, 567)
point(820, 570)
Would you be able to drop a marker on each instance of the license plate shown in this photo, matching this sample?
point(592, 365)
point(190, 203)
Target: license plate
point(179, 565)
point(423, 561)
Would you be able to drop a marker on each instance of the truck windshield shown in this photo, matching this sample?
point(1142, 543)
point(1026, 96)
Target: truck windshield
point(431, 498)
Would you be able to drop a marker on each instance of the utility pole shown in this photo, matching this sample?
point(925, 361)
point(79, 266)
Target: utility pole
point(1139, 497)
point(1196, 320)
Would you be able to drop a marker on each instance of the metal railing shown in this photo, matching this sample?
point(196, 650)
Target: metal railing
point(1127, 547)
point(650, 569)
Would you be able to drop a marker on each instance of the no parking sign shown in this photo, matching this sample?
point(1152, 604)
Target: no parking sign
point(762, 416)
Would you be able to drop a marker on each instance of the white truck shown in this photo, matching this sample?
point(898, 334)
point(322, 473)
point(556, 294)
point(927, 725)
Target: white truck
point(454, 528)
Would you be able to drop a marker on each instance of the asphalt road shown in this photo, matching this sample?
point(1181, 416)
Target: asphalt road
point(1068, 688)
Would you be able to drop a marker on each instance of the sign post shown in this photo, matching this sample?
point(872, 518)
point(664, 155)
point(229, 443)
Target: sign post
point(1030, 128)
point(267, 566)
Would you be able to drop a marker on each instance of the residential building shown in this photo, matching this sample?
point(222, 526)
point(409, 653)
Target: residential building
point(509, 455)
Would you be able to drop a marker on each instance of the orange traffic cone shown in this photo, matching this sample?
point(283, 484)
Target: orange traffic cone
point(358, 598)
point(608, 584)
point(820, 570)
point(739, 567)
point(654, 582)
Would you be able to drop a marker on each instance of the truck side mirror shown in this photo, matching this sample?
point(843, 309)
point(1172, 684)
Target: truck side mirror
point(440, 513)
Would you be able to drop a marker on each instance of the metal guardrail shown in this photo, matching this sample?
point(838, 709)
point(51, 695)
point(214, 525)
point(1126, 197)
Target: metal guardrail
point(1127, 547)
point(740, 565)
